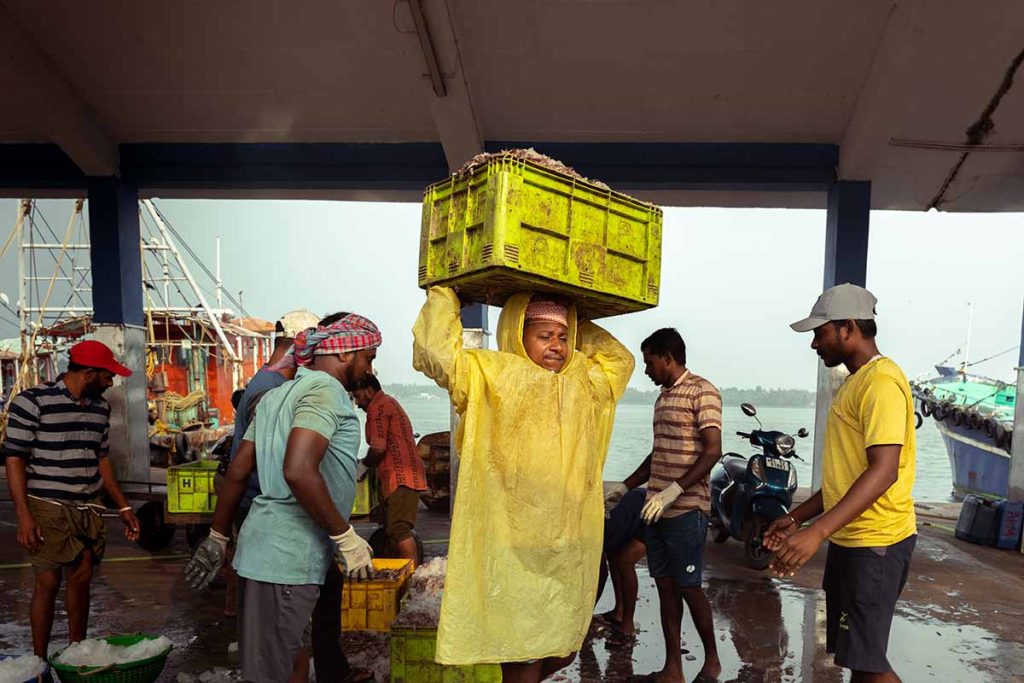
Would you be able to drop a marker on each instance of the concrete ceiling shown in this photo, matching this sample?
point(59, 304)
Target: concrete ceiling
point(919, 96)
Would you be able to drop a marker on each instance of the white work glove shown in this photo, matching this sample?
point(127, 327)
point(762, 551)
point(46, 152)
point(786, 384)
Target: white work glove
point(354, 554)
point(659, 502)
point(613, 497)
point(207, 561)
point(361, 470)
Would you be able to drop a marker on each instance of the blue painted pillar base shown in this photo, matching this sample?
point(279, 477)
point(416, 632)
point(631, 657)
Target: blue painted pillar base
point(474, 336)
point(846, 260)
point(119, 319)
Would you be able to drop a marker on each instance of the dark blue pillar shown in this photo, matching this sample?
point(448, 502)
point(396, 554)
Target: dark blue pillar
point(846, 235)
point(846, 260)
point(474, 317)
point(118, 317)
point(115, 256)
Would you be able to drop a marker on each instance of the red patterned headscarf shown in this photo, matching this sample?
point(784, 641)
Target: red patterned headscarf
point(546, 311)
point(351, 333)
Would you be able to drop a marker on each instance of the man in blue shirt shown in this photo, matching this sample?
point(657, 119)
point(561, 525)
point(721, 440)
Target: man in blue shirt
point(304, 441)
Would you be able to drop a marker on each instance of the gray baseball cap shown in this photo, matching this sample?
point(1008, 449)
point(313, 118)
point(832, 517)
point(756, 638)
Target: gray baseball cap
point(842, 302)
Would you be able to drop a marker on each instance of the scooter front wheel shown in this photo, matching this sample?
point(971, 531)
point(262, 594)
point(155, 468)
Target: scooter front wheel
point(753, 536)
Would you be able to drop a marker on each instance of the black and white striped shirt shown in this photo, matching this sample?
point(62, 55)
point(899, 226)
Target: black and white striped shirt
point(61, 439)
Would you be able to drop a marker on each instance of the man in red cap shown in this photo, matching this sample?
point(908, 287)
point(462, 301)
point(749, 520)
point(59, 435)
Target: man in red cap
point(55, 454)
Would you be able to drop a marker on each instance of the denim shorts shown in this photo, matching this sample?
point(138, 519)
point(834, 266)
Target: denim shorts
point(624, 523)
point(675, 548)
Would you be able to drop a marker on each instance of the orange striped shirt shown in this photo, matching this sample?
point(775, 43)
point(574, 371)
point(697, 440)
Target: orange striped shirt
point(680, 413)
point(388, 429)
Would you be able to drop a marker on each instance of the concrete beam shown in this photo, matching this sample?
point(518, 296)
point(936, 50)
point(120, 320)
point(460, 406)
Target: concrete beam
point(882, 98)
point(447, 88)
point(62, 115)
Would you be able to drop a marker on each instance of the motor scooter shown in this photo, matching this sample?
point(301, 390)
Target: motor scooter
point(747, 494)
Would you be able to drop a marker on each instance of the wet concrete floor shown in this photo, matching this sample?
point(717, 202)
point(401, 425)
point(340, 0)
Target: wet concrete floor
point(960, 618)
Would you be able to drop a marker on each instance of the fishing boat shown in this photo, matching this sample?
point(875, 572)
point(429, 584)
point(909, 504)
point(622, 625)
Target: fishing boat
point(975, 415)
point(197, 351)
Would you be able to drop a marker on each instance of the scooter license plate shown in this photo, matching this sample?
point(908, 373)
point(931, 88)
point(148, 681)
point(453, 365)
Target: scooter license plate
point(777, 463)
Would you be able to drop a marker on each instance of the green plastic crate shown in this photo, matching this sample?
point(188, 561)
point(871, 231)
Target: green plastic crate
point(190, 487)
point(412, 661)
point(511, 225)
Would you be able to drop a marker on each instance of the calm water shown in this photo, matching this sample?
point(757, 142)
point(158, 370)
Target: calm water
point(631, 440)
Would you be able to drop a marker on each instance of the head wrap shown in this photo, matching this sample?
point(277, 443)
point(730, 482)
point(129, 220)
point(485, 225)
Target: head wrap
point(548, 312)
point(351, 333)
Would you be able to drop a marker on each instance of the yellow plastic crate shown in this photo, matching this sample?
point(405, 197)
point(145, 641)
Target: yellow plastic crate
point(190, 487)
point(373, 605)
point(412, 661)
point(511, 225)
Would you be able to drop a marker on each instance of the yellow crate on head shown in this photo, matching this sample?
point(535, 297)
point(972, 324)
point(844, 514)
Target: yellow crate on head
point(412, 661)
point(512, 225)
point(190, 487)
point(373, 605)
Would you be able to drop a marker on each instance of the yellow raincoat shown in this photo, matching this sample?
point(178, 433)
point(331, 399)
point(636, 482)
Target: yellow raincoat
point(528, 523)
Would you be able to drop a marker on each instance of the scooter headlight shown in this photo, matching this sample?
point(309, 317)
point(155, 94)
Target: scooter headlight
point(757, 468)
point(784, 444)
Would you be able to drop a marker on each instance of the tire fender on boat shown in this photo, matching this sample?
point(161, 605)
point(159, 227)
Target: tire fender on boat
point(956, 416)
point(918, 420)
point(927, 407)
point(991, 427)
point(974, 419)
point(1004, 438)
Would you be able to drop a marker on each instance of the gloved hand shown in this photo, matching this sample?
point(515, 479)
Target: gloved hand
point(612, 498)
point(354, 554)
point(207, 561)
point(361, 470)
point(659, 502)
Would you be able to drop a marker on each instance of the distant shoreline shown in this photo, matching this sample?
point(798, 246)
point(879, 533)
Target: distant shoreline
point(731, 396)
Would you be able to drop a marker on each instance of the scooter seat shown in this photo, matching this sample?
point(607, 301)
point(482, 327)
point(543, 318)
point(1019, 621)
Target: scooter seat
point(735, 466)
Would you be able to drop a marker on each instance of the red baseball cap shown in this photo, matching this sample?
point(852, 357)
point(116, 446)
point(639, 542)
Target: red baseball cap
point(94, 354)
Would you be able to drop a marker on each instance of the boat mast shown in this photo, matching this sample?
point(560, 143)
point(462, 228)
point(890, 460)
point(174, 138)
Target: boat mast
point(220, 283)
point(967, 342)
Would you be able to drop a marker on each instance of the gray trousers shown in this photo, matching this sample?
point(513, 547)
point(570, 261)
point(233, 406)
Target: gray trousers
point(274, 623)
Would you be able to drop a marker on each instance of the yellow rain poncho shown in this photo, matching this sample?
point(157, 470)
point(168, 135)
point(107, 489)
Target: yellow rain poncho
point(528, 523)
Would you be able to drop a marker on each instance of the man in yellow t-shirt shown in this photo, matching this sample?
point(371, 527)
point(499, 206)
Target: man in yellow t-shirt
point(864, 507)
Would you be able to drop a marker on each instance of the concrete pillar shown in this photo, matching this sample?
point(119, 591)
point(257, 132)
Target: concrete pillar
point(119, 318)
point(846, 260)
point(474, 336)
point(1016, 488)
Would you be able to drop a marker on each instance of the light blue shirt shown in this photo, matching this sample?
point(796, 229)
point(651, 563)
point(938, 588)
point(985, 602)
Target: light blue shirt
point(279, 542)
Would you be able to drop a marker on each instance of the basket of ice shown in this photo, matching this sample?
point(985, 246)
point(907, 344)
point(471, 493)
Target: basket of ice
point(114, 659)
point(22, 669)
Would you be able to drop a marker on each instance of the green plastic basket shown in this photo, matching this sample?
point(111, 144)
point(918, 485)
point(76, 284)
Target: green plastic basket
point(142, 671)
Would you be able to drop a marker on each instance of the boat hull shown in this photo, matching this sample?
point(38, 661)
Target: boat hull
point(977, 465)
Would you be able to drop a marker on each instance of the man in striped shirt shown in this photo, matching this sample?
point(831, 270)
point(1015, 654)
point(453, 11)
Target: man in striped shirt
point(687, 444)
point(55, 455)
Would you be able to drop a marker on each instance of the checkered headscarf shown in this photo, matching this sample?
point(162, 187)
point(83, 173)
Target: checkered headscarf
point(351, 333)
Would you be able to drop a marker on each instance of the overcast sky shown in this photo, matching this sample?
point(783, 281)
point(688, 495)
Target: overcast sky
point(731, 279)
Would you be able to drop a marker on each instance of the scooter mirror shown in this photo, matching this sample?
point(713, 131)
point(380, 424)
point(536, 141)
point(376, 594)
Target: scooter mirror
point(803, 432)
point(748, 409)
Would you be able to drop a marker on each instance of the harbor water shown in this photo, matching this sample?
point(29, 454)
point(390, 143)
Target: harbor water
point(631, 440)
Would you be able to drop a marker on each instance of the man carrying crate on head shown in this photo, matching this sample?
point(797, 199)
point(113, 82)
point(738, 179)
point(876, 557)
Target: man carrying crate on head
point(305, 439)
point(526, 531)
